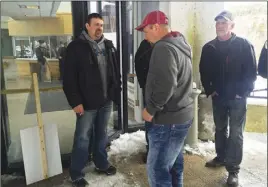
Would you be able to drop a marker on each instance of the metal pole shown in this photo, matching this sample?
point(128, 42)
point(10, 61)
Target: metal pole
point(192, 136)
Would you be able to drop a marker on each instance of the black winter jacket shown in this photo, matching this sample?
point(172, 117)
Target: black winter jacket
point(142, 60)
point(82, 79)
point(236, 76)
point(262, 66)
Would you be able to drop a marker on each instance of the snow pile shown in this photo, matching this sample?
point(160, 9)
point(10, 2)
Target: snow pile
point(203, 149)
point(96, 180)
point(128, 144)
point(207, 128)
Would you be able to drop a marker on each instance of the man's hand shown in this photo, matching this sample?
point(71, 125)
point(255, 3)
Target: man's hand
point(146, 116)
point(214, 93)
point(79, 109)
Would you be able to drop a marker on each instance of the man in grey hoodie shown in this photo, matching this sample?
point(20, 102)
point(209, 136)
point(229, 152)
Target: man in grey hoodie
point(168, 98)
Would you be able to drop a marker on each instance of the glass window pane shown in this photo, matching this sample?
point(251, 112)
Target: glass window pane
point(92, 7)
point(109, 18)
point(22, 115)
point(53, 27)
point(22, 47)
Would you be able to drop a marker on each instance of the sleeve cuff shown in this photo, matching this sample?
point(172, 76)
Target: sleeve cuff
point(151, 110)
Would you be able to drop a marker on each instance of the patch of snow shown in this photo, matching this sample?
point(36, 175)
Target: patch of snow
point(97, 180)
point(128, 144)
point(203, 149)
point(254, 144)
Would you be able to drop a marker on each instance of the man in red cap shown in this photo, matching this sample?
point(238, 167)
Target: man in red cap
point(169, 106)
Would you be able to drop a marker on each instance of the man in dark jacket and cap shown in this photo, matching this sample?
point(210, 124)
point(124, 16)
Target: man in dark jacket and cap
point(228, 72)
point(142, 60)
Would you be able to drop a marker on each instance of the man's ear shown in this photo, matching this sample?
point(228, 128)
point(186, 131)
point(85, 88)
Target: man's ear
point(87, 25)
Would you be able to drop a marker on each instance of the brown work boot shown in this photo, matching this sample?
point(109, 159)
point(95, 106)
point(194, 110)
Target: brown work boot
point(232, 180)
point(216, 162)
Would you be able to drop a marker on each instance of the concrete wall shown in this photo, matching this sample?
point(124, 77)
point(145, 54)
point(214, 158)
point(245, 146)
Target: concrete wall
point(195, 20)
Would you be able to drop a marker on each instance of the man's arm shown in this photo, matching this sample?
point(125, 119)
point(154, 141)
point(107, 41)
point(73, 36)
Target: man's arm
point(205, 72)
point(262, 66)
point(141, 62)
point(249, 70)
point(70, 78)
point(162, 78)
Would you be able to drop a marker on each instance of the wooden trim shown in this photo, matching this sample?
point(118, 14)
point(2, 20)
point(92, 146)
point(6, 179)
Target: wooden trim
point(40, 125)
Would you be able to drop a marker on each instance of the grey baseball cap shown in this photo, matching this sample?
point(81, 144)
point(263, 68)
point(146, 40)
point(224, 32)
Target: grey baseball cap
point(225, 15)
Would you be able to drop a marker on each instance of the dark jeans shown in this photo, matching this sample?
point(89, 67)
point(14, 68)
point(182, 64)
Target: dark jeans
point(42, 72)
point(165, 158)
point(92, 124)
point(229, 148)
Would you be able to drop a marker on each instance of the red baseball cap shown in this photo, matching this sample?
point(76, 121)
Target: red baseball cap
point(154, 17)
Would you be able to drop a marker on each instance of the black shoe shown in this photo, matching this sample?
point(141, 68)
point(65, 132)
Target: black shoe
point(216, 162)
point(232, 180)
point(80, 183)
point(111, 170)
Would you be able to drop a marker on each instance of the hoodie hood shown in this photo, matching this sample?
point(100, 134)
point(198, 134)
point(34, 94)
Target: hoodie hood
point(177, 39)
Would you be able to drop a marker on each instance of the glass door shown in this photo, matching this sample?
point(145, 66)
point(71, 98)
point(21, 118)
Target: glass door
point(61, 20)
point(132, 15)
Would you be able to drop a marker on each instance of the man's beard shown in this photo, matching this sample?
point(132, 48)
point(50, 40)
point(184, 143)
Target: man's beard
point(98, 33)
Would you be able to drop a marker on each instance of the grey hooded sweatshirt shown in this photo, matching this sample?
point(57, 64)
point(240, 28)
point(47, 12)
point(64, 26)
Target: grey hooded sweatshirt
point(99, 49)
point(169, 81)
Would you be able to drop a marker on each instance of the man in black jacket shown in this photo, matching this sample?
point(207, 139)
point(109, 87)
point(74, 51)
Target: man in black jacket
point(142, 60)
point(91, 81)
point(228, 72)
point(61, 57)
point(42, 52)
point(262, 66)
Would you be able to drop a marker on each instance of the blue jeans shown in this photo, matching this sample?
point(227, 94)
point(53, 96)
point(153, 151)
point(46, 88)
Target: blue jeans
point(92, 123)
point(232, 113)
point(165, 158)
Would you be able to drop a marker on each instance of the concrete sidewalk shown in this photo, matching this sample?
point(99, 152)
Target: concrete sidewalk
point(195, 175)
point(132, 171)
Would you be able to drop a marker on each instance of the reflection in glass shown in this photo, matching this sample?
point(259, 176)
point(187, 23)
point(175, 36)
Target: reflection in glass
point(109, 19)
point(22, 115)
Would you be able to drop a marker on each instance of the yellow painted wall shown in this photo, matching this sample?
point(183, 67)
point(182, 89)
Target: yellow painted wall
point(61, 25)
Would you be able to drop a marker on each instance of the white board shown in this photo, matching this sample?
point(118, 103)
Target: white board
point(30, 142)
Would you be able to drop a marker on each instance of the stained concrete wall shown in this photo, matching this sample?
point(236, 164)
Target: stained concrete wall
point(195, 20)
